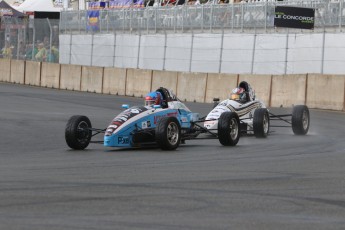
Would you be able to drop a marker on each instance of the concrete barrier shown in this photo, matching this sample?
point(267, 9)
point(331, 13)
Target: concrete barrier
point(91, 79)
point(17, 71)
point(325, 91)
point(288, 90)
point(138, 82)
point(261, 84)
point(114, 81)
point(70, 77)
point(220, 86)
point(50, 75)
point(5, 70)
point(191, 86)
point(33, 73)
point(165, 79)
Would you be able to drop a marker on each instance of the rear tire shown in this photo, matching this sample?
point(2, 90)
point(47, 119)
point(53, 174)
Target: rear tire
point(78, 132)
point(229, 129)
point(300, 120)
point(168, 133)
point(261, 123)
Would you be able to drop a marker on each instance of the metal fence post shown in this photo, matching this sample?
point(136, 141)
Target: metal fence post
point(92, 48)
point(33, 41)
point(138, 58)
point(50, 39)
point(165, 50)
point(286, 51)
point(221, 51)
point(340, 14)
point(156, 20)
point(191, 53)
point(114, 48)
point(323, 51)
point(266, 16)
point(253, 55)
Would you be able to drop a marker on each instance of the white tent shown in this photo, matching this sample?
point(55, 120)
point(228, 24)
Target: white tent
point(37, 5)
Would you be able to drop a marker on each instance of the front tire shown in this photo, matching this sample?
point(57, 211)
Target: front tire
point(78, 132)
point(229, 129)
point(168, 133)
point(261, 123)
point(300, 120)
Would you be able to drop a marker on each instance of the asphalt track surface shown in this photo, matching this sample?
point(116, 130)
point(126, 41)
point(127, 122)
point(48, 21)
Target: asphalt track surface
point(282, 182)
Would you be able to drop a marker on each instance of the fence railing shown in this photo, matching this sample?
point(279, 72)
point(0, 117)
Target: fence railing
point(187, 18)
point(38, 39)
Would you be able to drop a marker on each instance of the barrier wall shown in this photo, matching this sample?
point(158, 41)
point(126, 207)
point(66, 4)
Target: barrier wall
point(191, 86)
point(17, 71)
point(325, 91)
point(91, 79)
point(261, 84)
point(220, 86)
point(5, 70)
point(70, 77)
point(114, 81)
point(314, 90)
point(138, 82)
point(288, 90)
point(33, 73)
point(165, 79)
point(50, 76)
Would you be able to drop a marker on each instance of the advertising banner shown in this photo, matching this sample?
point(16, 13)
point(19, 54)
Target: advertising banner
point(125, 3)
point(294, 17)
point(93, 20)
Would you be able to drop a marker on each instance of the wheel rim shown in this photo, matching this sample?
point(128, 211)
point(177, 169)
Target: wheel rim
point(172, 133)
point(305, 120)
point(265, 124)
point(233, 128)
point(83, 132)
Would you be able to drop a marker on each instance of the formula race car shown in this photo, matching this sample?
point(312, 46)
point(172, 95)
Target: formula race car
point(253, 114)
point(166, 125)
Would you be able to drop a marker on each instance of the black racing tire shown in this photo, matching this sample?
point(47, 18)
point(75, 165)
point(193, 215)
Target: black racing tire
point(261, 123)
point(168, 133)
point(229, 129)
point(300, 120)
point(78, 132)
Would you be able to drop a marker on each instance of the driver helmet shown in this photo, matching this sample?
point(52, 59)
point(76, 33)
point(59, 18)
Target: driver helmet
point(238, 94)
point(153, 98)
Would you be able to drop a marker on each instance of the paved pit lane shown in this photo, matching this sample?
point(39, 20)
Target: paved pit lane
point(282, 182)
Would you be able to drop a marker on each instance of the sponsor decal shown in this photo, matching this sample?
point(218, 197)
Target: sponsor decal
point(123, 140)
point(184, 119)
point(157, 117)
point(145, 124)
point(294, 17)
point(123, 117)
point(209, 124)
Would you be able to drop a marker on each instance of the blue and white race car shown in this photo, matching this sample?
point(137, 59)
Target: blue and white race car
point(166, 125)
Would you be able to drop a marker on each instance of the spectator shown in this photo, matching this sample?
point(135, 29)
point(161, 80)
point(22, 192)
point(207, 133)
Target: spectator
point(42, 52)
point(53, 56)
point(7, 50)
point(29, 51)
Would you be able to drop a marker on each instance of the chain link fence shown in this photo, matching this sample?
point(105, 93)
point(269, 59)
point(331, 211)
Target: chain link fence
point(29, 39)
point(243, 17)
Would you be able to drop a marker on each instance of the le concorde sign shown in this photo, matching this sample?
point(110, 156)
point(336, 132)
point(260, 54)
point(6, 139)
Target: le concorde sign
point(294, 17)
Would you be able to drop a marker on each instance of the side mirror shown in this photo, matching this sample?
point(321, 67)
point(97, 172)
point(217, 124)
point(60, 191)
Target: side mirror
point(157, 106)
point(125, 106)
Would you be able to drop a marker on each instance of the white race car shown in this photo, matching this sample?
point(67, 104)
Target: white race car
point(253, 116)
